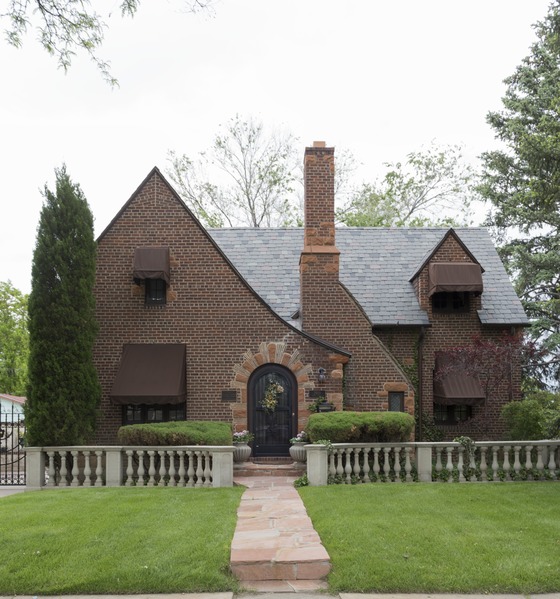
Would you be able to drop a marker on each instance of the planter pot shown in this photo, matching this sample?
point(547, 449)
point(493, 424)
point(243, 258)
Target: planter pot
point(298, 453)
point(241, 453)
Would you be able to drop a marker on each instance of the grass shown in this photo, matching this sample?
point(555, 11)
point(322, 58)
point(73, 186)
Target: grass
point(440, 538)
point(157, 540)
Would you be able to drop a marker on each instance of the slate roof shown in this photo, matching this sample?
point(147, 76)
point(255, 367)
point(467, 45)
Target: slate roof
point(376, 265)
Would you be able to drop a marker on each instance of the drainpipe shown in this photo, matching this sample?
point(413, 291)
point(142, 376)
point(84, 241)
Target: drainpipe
point(420, 378)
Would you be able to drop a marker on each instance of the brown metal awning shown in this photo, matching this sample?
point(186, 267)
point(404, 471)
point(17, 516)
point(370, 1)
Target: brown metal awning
point(454, 276)
point(456, 388)
point(151, 263)
point(151, 373)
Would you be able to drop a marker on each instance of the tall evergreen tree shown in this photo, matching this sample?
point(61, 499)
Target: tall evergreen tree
point(63, 392)
point(522, 184)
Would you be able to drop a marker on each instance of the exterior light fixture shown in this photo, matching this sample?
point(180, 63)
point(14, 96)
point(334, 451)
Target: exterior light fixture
point(322, 375)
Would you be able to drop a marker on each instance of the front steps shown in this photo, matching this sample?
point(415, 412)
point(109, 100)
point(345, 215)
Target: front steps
point(269, 467)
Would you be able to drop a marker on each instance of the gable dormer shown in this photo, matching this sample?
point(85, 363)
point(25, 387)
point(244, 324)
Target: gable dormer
point(449, 278)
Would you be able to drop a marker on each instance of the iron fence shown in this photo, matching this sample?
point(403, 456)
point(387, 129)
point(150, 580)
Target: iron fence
point(12, 454)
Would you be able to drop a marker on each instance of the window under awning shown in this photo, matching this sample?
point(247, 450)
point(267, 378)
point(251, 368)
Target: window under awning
point(151, 373)
point(457, 387)
point(454, 276)
point(151, 263)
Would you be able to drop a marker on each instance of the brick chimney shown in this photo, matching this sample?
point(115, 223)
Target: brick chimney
point(319, 258)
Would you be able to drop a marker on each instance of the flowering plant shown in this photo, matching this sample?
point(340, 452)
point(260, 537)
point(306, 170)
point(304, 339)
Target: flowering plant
point(243, 437)
point(270, 399)
point(301, 437)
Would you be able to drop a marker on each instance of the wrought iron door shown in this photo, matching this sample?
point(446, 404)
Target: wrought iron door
point(273, 420)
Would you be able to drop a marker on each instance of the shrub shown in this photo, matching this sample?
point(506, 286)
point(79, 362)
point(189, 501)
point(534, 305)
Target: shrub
point(524, 420)
point(176, 433)
point(361, 427)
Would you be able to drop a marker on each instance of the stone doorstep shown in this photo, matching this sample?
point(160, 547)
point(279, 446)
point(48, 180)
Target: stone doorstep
point(284, 586)
point(293, 469)
point(281, 571)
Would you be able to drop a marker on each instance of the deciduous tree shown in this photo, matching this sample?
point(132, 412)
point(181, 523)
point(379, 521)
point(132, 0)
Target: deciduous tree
point(432, 187)
point(63, 391)
point(521, 181)
point(67, 26)
point(14, 340)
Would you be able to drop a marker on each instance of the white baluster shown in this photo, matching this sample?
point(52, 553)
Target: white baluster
point(199, 471)
point(529, 461)
point(407, 464)
point(87, 468)
point(347, 465)
point(397, 451)
point(449, 464)
point(63, 479)
point(99, 469)
point(172, 479)
point(52, 482)
point(386, 464)
point(332, 467)
point(129, 468)
point(182, 471)
point(483, 465)
point(159, 463)
point(207, 469)
point(540, 462)
point(472, 465)
point(495, 464)
point(151, 469)
point(339, 469)
point(376, 467)
point(190, 472)
point(461, 464)
point(516, 462)
point(75, 470)
point(506, 464)
point(357, 468)
point(366, 468)
point(551, 461)
point(439, 466)
point(141, 468)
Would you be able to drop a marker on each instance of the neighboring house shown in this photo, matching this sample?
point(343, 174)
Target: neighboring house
point(11, 404)
point(202, 324)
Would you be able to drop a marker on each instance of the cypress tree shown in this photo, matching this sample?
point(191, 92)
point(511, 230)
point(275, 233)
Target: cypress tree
point(63, 391)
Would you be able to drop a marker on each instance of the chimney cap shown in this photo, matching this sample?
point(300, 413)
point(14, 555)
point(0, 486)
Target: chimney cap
point(319, 144)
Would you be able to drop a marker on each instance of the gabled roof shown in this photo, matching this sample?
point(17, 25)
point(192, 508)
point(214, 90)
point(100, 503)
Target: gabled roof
point(376, 265)
point(13, 398)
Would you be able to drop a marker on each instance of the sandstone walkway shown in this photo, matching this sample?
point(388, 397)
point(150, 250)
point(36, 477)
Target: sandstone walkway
point(275, 547)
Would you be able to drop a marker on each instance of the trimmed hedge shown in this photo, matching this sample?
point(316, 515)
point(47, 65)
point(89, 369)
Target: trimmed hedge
point(190, 432)
point(361, 427)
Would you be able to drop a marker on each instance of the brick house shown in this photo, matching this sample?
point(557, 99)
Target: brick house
point(201, 324)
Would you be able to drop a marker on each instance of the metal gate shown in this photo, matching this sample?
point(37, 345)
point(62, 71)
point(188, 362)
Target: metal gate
point(12, 454)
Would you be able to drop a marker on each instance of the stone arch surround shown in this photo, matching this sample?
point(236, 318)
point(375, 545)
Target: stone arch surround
point(270, 353)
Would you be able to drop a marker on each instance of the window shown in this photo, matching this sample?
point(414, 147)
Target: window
point(450, 301)
point(143, 414)
point(396, 401)
point(155, 292)
point(451, 414)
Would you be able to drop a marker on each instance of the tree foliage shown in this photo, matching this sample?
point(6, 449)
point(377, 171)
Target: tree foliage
point(14, 340)
point(63, 391)
point(433, 187)
point(67, 26)
point(259, 174)
point(521, 182)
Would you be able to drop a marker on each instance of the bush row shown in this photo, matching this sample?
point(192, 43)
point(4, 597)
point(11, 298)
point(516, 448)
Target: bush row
point(361, 427)
point(191, 432)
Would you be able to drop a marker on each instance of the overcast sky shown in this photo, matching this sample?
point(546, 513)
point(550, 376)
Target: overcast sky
point(381, 78)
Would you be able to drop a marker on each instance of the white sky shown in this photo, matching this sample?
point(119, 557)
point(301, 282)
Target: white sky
point(378, 77)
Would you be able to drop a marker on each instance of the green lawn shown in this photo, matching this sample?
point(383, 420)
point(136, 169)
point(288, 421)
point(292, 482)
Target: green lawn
point(454, 538)
point(157, 540)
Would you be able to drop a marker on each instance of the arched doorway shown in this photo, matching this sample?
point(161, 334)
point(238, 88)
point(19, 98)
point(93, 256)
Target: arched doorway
point(272, 410)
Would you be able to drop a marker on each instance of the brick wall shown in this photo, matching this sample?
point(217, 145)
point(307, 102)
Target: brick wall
point(209, 309)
